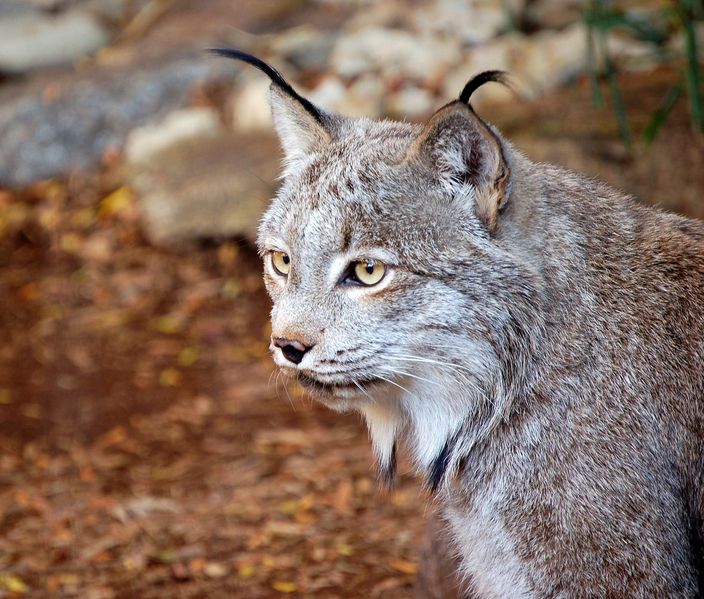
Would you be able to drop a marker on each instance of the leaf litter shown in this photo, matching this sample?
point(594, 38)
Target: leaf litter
point(147, 448)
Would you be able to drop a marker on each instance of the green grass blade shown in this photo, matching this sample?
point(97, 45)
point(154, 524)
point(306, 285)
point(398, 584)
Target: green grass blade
point(693, 69)
point(658, 120)
point(510, 17)
point(597, 97)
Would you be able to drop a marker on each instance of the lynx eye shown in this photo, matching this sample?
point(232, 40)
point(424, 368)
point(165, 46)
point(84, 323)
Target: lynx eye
point(281, 262)
point(369, 272)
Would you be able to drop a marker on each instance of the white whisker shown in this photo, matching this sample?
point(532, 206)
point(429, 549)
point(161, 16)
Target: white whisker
point(394, 383)
point(414, 376)
point(362, 389)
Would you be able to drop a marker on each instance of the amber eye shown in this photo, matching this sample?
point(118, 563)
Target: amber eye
point(281, 263)
point(369, 272)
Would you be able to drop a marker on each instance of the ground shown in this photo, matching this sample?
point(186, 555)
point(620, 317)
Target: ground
point(147, 446)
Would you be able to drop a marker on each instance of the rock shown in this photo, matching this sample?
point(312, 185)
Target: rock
point(632, 54)
point(113, 11)
point(536, 64)
point(499, 54)
point(364, 97)
point(304, 47)
point(389, 14)
point(250, 107)
point(178, 126)
point(411, 103)
point(395, 54)
point(206, 188)
point(11, 9)
point(471, 21)
point(31, 40)
point(677, 43)
point(69, 123)
point(550, 59)
point(553, 14)
point(329, 94)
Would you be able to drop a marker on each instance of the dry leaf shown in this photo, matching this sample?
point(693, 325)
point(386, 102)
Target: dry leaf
point(284, 586)
point(404, 566)
point(12, 583)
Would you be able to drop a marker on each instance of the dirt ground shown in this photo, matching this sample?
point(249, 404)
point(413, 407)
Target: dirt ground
point(147, 446)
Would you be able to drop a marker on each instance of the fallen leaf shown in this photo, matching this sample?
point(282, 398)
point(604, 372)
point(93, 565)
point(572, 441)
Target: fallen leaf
point(215, 570)
point(188, 356)
point(404, 566)
point(12, 583)
point(345, 549)
point(246, 571)
point(5, 396)
point(115, 202)
point(170, 377)
point(284, 586)
point(168, 325)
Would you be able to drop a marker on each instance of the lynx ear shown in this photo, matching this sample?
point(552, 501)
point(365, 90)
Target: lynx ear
point(462, 149)
point(300, 130)
point(301, 126)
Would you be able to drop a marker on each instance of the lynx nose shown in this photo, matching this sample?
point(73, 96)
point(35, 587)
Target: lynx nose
point(292, 350)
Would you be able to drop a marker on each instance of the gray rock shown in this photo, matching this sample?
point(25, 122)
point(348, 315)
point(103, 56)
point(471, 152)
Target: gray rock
point(30, 40)
point(472, 21)
point(536, 64)
point(207, 187)
point(111, 10)
point(395, 54)
point(553, 14)
point(176, 128)
point(305, 47)
point(249, 105)
point(411, 103)
point(47, 137)
point(11, 9)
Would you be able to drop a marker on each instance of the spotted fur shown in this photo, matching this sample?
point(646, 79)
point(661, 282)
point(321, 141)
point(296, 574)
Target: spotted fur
point(536, 345)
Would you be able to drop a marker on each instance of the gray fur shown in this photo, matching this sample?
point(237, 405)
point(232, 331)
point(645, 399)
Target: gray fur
point(551, 331)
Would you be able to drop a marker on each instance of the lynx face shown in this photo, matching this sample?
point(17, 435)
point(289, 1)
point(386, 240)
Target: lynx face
point(370, 290)
point(390, 295)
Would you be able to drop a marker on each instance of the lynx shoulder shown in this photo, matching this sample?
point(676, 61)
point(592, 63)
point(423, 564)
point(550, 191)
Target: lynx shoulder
point(532, 338)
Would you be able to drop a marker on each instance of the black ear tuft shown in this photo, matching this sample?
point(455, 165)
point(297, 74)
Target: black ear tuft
point(276, 77)
point(484, 77)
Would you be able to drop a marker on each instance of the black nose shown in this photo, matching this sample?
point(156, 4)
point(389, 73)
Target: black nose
point(292, 350)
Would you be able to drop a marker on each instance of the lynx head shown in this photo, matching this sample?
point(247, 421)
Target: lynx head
point(390, 293)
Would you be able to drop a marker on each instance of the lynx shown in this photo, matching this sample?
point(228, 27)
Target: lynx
point(533, 338)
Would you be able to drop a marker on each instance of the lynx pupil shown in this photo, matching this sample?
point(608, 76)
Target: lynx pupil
point(369, 272)
point(280, 261)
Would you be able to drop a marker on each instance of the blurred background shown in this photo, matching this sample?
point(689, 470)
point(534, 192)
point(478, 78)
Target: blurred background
point(147, 447)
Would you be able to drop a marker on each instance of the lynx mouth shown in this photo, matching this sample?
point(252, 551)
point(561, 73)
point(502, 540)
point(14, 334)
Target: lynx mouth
point(312, 384)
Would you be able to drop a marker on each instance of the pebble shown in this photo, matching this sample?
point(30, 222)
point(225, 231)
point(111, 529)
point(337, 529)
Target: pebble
point(534, 63)
point(394, 54)
point(250, 105)
point(365, 97)
point(72, 122)
point(471, 21)
point(206, 187)
point(178, 126)
point(31, 40)
point(304, 47)
point(553, 14)
point(329, 94)
point(411, 102)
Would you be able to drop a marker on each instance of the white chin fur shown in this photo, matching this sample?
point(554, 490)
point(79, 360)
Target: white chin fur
point(424, 416)
point(384, 421)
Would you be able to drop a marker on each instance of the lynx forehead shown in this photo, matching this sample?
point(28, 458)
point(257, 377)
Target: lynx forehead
point(534, 338)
